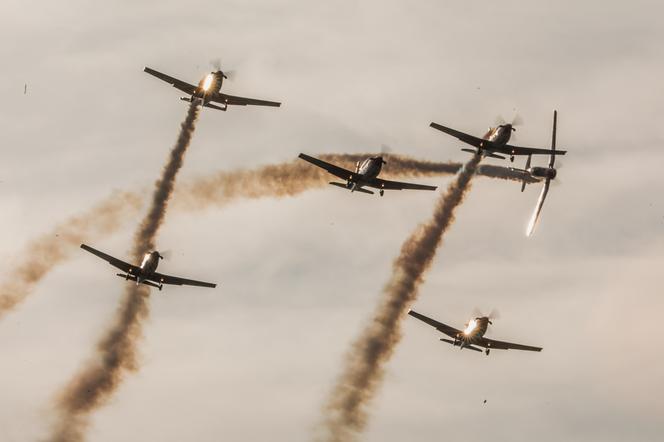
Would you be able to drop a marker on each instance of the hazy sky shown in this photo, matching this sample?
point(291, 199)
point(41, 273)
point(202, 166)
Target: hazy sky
point(255, 358)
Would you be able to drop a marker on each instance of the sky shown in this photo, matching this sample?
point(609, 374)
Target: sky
point(299, 277)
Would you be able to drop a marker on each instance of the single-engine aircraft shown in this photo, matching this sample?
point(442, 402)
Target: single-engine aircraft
point(365, 174)
point(209, 90)
point(472, 335)
point(494, 142)
point(146, 272)
point(541, 173)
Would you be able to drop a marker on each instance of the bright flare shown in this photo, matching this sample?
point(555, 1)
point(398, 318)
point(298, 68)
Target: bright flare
point(208, 82)
point(470, 327)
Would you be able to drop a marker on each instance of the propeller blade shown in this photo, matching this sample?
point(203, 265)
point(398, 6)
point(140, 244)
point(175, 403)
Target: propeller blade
point(216, 64)
point(166, 254)
point(517, 120)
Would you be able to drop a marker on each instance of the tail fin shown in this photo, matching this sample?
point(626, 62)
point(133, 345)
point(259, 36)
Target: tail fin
point(523, 182)
point(552, 160)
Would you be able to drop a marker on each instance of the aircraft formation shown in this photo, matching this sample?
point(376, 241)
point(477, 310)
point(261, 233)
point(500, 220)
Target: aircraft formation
point(207, 93)
point(492, 144)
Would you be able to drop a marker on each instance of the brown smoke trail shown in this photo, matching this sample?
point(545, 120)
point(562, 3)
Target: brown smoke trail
point(292, 178)
point(364, 366)
point(42, 254)
point(93, 386)
point(295, 177)
point(279, 180)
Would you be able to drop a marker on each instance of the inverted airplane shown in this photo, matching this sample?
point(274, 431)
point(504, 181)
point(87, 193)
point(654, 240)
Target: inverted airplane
point(494, 142)
point(146, 273)
point(209, 91)
point(472, 336)
point(541, 173)
point(365, 174)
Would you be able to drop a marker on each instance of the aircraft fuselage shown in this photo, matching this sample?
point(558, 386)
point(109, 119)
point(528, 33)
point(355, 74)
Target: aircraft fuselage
point(207, 88)
point(474, 329)
point(147, 268)
point(367, 170)
point(543, 172)
point(499, 135)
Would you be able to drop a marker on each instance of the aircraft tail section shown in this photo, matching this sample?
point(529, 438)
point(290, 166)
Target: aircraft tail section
point(484, 153)
point(470, 347)
point(357, 189)
point(133, 278)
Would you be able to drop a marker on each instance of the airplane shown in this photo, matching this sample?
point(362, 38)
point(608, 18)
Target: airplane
point(365, 174)
point(472, 335)
point(542, 173)
point(146, 272)
point(494, 142)
point(209, 90)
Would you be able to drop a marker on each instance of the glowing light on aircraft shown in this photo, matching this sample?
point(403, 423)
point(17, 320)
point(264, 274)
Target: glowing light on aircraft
point(208, 82)
point(472, 324)
point(146, 258)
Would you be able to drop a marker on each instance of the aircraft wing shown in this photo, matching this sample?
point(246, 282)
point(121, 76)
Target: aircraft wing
point(396, 185)
point(115, 262)
point(178, 84)
point(516, 150)
point(174, 280)
point(242, 101)
point(443, 328)
point(340, 172)
point(502, 345)
point(469, 139)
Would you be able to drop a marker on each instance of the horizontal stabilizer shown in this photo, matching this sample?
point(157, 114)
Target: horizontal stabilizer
point(484, 153)
point(470, 347)
point(133, 278)
point(125, 276)
point(357, 189)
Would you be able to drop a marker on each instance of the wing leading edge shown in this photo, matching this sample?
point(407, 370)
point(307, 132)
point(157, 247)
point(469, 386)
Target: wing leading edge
point(115, 262)
point(443, 328)
point(397, 185)
point(178, 84)
point(502, 345)
point(175, 280)
point(337, 171)
point(242, 101)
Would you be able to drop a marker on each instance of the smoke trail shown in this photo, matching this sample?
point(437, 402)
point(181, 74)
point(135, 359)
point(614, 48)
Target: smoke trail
point(292, 178)
point(92, 387)
point(364, 366)
point(279, 180)
point(42, 254)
